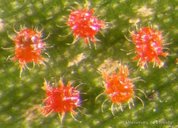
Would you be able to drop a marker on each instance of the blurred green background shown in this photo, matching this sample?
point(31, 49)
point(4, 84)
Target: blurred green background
point(21, 97)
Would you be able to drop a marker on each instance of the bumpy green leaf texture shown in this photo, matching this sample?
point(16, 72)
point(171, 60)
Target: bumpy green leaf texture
point(20, 97)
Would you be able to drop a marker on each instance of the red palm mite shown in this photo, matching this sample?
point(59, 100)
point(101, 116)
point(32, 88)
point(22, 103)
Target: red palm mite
point(28, 47)
point(61, 99)
point(148, 46)
point(119, 88)
point(84, 24)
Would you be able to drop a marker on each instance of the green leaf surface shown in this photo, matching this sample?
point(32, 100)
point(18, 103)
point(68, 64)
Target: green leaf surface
point(21, 97)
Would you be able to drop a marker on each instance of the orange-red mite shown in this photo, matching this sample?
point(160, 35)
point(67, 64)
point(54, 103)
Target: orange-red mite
point(118, 86)
point(61, 99)
point(28, 47)
point(149, 46)
point(84, 24)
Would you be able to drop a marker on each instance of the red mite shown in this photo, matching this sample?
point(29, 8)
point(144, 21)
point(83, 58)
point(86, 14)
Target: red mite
point(149, 46)
point(118, 86)
point(61, 99)
point(28, 47)
point(84, 24)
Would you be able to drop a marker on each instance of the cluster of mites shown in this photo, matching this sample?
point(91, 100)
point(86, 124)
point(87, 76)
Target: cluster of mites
point(119, 88)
